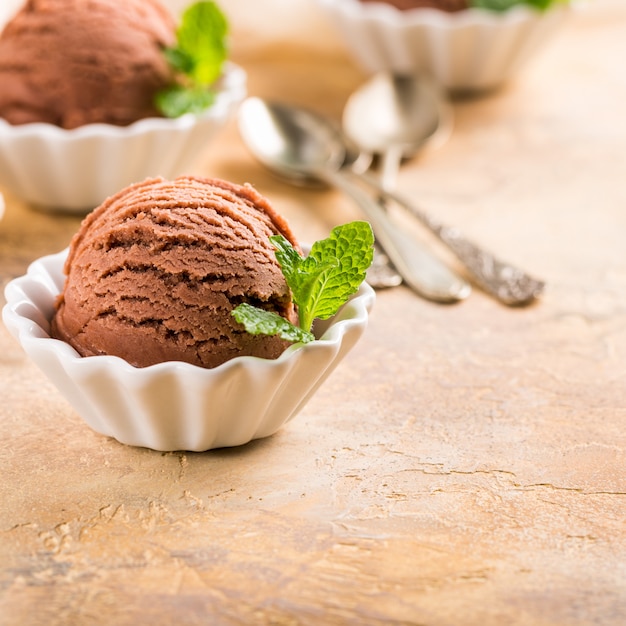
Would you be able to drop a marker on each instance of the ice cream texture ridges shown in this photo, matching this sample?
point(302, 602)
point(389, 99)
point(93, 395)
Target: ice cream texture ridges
point(154, 273)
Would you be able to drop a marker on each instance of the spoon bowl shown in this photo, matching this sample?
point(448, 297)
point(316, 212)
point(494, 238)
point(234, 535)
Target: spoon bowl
point(265, 129)
point(397, 116)
point(289, 141)
point(410, 111)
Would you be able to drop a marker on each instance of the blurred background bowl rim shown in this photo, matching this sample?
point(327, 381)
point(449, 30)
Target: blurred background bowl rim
point(384, 12)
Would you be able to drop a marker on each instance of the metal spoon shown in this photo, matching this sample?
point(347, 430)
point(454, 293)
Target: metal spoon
point(381, 274)
point(299, 145)
point(396, 116)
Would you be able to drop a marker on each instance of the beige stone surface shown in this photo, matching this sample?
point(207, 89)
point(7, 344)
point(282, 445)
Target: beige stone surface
point(466, 465)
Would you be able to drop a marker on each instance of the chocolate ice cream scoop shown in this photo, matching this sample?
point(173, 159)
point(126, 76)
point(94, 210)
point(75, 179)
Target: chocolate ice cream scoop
point(443, 5)
point(76, 62)
point(154, 273)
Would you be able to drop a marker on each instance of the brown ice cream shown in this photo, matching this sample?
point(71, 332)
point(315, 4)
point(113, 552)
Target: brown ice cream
point(76, 62)
point(443, 5)
point(154, 273)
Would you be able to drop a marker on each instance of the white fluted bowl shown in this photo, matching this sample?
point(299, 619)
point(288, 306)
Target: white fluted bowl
point(175, 405)
point(470, 50)
point(75, 170)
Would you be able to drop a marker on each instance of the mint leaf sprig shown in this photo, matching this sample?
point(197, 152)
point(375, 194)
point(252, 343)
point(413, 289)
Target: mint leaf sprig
point(197, 60)
point(320, 283)
point(504, 5)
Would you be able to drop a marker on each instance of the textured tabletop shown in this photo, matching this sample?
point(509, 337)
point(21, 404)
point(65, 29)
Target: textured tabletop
point(465, 465)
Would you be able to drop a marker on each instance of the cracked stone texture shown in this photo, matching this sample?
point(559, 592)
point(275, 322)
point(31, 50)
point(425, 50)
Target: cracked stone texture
point(465, 465)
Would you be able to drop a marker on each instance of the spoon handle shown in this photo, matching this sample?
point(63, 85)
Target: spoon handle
point(390, 167)
point(507, 283)
point(422, 271)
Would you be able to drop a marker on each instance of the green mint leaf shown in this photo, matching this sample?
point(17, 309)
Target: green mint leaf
point(201, 43)
point(542, 5)
point(287, 256)
point(178, 100)
point(179, 60)
point(322, 282)
point(505, 5)
point(260, 322)
point(303, 275)
point(305, 282)
point(197, 58)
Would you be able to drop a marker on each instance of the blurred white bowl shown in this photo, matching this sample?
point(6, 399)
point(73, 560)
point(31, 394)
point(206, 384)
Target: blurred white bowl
point(75, 170)
point(175, 405)
point(470, 50)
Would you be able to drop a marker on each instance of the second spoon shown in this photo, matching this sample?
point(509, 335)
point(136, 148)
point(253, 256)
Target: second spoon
point(298, 144)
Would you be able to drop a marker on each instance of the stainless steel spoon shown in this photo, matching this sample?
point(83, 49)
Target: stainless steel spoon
point(299, 145)
point(396, 116)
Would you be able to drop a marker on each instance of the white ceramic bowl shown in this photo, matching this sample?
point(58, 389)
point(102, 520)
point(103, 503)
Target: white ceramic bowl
point(470, 50)
point(175, 405)
point(75, 170)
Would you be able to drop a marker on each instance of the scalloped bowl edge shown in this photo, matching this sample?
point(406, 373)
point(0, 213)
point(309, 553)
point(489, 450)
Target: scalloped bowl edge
point(471, 50)
point(75, 170)
point(174, 405)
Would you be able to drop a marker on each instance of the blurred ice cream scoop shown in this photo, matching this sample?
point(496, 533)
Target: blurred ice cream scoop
point(443, 5)
point(77, 62)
